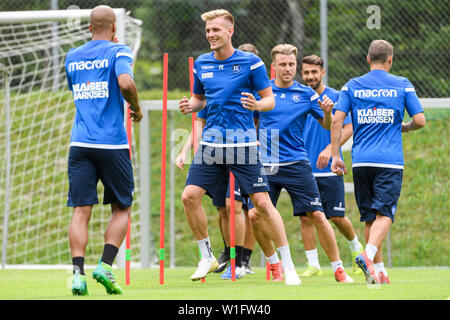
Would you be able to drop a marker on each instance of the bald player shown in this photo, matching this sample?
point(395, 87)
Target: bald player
point(100, 77)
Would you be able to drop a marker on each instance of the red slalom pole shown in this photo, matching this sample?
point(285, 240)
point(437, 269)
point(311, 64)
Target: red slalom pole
point(163, 171)
point(232, 230)
point(128, 234)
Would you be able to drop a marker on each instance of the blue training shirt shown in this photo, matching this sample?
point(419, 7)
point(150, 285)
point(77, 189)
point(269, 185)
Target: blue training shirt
point(281, 129)
point(317, 138)
point(377, 102)
point(228, 123)
point(92, 70)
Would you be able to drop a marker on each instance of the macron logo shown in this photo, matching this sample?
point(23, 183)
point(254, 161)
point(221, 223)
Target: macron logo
point(88, 65)
point(382, 93)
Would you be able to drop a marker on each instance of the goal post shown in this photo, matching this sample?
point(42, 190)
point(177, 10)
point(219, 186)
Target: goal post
point(36, 117)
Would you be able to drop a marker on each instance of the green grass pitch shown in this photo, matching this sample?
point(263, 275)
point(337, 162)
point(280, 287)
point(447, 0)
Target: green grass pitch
point(414, 283)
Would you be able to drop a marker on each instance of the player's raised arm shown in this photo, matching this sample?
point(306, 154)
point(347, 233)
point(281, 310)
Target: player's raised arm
point(327, 106)
point(129, 92)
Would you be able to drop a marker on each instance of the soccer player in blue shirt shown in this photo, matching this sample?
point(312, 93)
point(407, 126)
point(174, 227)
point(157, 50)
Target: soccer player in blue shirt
point(245, 240)
point(283, 152)
point(377, 103)
point(331, 186)
point(225, 80)
point(100, 77)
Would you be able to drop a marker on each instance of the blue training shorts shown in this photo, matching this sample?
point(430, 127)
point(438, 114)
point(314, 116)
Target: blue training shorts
point(112, 167)
point(299, 182)
point(223, 191)
point(212, 164)
point(377, 190)
point(332, 194)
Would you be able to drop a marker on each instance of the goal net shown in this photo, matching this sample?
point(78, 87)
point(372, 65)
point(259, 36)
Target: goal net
point(36, 116)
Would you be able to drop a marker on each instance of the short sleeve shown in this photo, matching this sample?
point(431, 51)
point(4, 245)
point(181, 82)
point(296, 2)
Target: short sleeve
point(344, 103)
point(124, 61)
point(316, 111)
point(348, 118)
point(258, 74)
point(198, 86)
point(412, 103)
point(69, 80)
point(202, 113)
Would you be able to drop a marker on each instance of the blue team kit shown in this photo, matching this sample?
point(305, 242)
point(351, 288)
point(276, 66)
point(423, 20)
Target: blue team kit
point(229, 137)
point(282, 147)
point(92, 70)
point(377, 103)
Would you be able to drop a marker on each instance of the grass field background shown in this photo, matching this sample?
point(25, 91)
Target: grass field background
point(407, 284)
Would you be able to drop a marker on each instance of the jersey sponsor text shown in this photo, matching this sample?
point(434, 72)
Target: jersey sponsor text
point(375, 115)
point(88, 65)
point(373, 93)
point(90, 90)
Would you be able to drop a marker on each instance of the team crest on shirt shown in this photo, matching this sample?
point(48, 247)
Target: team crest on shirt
point(236, 68)
point(295, 97)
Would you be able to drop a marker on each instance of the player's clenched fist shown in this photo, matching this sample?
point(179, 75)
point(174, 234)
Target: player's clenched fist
point(185, 105)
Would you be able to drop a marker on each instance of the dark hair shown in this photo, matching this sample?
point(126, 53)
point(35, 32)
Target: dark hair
point(380, 51)
point(313, 59)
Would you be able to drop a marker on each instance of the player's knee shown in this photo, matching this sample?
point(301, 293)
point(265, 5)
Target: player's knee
point(262, 205)
point(223, 212)
point(318, 218)
point(338, 221)
point(254, 217)
point(189, 198)
point(305, 221)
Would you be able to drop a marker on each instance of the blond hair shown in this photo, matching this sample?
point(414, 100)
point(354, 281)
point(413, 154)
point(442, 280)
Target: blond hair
point(210, 15)
point(286, 49)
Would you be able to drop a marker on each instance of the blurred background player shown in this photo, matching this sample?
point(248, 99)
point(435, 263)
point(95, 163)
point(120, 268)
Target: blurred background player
point(224, 79)
point(284, 156)
point(99, 145)
point(377, 102)
point(331, 186)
